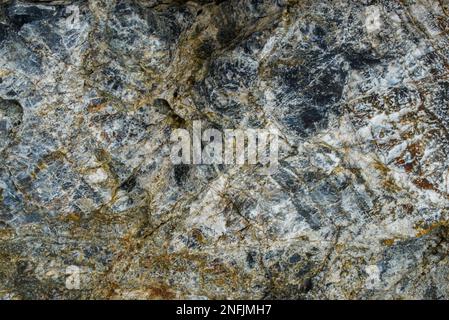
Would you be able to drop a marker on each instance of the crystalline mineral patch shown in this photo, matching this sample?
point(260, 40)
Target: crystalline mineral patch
point(91, 206)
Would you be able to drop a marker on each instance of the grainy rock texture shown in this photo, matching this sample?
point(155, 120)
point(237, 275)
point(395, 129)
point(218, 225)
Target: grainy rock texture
point(90, 92)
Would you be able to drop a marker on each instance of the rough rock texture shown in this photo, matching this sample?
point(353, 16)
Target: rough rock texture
point(358, 208)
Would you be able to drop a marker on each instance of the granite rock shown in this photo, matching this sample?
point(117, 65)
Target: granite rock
point(90, 92)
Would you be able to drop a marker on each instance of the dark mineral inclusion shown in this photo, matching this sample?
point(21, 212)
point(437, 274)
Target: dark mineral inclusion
point(92, 207)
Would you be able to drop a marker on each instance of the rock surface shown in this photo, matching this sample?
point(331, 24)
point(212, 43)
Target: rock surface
point(91, 90)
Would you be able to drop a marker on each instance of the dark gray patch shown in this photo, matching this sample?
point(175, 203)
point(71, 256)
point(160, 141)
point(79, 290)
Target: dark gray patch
point(11, 115)
point(251, 259)
point(3, 126)
point(205, 49)
point(181, 172)
point(20, 14)
point(294, 258)
point(162, 106)
point(3, 33)
point(307, 285)
point(310, 215)
point(129, 184)
point(328, 87)
point(360, 60)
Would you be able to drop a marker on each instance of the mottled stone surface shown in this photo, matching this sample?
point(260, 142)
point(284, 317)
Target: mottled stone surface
point(358, 208)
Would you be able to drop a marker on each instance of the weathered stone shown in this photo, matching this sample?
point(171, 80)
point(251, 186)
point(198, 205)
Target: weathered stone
point(90, 92)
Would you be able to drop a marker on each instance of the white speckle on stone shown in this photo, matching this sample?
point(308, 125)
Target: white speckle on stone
point(98, 176)
point(373, 22)
point(373, 276)
point(206, 213)
point(400, 228)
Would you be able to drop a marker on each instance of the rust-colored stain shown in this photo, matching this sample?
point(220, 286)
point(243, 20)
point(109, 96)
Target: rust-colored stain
point(415, 151)
point(388, 242)
point(73, 217)
point(408, 166)
point(161, 291)
point(96, 107)
point(423, 183)
point(424, 230)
